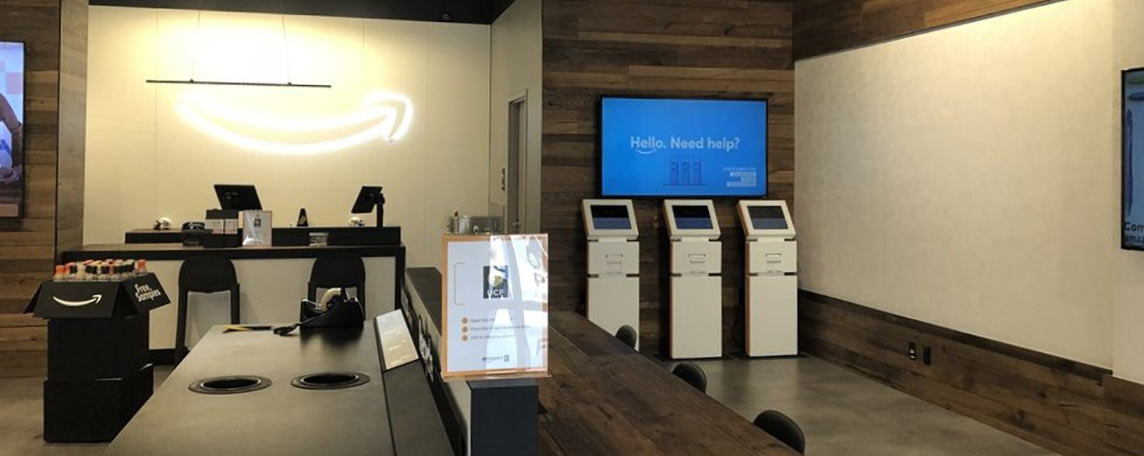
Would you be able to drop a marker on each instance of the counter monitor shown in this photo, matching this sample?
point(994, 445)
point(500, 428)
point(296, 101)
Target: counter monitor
point(238, 197)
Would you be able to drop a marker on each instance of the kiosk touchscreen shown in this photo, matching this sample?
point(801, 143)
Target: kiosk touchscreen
point(696, 297)
point(613, 264)
point(772, 282)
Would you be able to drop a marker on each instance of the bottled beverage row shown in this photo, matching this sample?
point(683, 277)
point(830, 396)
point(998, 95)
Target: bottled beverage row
point(112, 269)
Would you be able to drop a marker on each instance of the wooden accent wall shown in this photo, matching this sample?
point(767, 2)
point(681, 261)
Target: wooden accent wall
point(692, 48)
point(1065, 406)
point(54, 135)
point(825, 26)
point(73, 125)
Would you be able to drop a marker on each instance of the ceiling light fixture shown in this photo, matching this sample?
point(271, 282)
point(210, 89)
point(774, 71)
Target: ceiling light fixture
point(238, 83)
point(285, 57)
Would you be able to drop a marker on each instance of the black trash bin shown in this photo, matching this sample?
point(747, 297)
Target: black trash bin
point(99, 373)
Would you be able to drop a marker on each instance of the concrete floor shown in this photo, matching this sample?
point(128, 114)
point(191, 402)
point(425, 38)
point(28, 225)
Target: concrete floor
point(841, 412)
point(22, 419)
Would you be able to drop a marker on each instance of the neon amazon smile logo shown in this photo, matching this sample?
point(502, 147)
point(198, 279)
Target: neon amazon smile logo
point(383, 115)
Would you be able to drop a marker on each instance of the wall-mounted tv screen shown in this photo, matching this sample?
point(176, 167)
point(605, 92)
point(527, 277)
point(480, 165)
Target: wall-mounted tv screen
point(1132, 160)
point(655, 147)
point(11, 129)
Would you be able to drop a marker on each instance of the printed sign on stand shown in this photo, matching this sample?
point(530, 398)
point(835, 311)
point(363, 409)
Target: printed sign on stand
point(495, 305)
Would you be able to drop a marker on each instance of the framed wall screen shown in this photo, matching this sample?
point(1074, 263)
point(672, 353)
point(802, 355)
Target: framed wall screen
point(1132, 163)
point(11, 129)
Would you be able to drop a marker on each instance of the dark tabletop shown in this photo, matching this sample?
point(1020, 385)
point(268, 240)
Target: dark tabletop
point(281, 419)
point(605, 398)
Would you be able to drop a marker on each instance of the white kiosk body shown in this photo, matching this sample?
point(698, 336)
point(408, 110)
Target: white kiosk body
point(696, 285)
point(772, 281)
point(613, 264)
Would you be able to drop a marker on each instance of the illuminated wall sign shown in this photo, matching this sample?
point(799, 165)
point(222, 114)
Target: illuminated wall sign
point(383, 115)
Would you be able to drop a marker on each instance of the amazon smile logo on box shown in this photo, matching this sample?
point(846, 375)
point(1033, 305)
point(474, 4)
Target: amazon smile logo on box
point(64, 302)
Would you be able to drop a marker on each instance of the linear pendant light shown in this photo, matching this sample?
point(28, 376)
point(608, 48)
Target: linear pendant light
point(238, 83)
point(285, 53)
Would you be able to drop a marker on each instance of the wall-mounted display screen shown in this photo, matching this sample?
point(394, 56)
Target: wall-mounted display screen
point(610, 217)
point(683, 147)
point(767, 217)
point(11, 129)
point(691, 217)
point(1132, 162)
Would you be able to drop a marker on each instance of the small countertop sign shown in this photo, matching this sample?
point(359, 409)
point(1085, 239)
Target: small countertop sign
point(256, 228)
point(96, 299)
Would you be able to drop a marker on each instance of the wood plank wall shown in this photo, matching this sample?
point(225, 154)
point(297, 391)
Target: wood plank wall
point(825, 26)
point(1065, 406)
point(677, 48)
point(73, 125)
point(28, 246)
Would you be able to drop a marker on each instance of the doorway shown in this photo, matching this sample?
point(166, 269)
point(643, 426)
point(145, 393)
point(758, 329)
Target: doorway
point(513, 178)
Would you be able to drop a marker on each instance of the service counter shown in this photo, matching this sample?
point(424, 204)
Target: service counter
point(272, 281)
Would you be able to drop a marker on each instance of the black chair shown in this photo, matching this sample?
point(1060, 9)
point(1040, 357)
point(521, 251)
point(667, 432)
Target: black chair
point(204, 275)
point(337, 271)
point(627, 335)
point(691, 374)
point(783, 428)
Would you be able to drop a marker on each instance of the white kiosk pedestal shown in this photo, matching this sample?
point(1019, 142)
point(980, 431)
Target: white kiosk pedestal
point(613, 264)
point(696, 295)
point(772, 283)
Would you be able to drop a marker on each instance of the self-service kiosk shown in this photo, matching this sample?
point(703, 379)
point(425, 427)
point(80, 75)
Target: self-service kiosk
point(772, 284)
point(613, 264)
point(696, 296)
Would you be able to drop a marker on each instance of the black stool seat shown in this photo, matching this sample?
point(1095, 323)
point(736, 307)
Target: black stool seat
point(204, 275)
point(627, 335)
point(783, 428)
point(691, 374)
point(337, 271)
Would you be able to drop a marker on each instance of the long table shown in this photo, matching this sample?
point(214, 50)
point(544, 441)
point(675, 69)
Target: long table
point(393, 414)
point(605, 398)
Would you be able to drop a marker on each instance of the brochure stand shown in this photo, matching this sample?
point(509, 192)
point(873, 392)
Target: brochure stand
point(99, 372)
point(494, 336)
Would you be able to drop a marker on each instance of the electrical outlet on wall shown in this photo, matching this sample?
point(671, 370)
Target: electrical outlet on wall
point(912, 351)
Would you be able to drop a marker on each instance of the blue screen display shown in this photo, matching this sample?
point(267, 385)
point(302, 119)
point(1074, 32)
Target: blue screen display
point(683, 147)
point(1132, 162)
